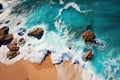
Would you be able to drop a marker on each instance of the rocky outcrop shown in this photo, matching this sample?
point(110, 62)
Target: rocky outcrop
point(13, 49)
point(5, 37)
point(88, 36)
point(88, 56)
point(37, 33)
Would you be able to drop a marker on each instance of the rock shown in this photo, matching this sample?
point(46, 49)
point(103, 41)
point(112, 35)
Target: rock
point(8, 21)
point(21, 31)
point(69, 47)
point(37, 33)
point(88, 36)
point(1, 8)
point(12, 47)
point(12, 54)
point(4, 30)
point(87, 56)
point(21, 41)
point(4, 40)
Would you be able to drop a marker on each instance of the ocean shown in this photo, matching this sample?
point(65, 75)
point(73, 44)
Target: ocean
point(63, 22)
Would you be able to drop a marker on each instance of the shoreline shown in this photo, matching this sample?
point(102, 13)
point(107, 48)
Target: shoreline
point(25, 70)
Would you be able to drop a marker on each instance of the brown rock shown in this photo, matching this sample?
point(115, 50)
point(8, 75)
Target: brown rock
point(4, 30)
point(13, 46)
point(21, 41)
point(87, 56)
point(6, 39)
point(88, 36)
point(12, 54)
point(37, 33)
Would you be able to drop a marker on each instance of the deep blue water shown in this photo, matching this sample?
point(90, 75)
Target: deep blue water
point(104, 18)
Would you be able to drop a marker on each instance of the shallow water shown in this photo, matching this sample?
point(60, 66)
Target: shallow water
point(63, 23)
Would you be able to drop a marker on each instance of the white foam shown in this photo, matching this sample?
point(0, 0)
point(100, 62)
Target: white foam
point(73, 5)
point(61, 2)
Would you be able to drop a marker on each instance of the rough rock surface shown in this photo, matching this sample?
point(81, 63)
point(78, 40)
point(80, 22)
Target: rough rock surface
point(37, 33)
point(88, 36)
point(87, 56)
point(5, 37)
point(13, 49)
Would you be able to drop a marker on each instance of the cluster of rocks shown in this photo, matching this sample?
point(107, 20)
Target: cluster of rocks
point(37, 33)
point(13, 49)
point(88, 37)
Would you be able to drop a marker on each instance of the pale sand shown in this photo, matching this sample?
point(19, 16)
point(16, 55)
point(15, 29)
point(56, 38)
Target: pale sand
point(69, 71)
point(25, 70)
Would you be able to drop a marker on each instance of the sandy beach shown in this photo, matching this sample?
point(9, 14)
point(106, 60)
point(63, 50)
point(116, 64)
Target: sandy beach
point(25, 70)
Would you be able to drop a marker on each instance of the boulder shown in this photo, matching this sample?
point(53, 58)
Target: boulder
point(37, 33)
point(4, 30)
point(4, 40)
point(13, 46)
point(13, 49)
point(88, 56)
point(88, 36)
point(12, 54)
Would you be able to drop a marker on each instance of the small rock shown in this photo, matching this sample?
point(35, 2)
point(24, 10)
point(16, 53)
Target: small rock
point(8, 21)
point(21, 41)
point(1, 8)
point(87, 56)
point(69, 47)
point(37, 33)
point(88, 36)
point(12, 54)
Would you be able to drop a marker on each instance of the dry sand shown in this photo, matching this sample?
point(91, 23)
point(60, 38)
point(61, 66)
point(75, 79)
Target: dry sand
point(25, 70)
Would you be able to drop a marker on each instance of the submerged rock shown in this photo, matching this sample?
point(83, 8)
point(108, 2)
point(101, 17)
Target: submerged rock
point(21, 31)
point(88, 36)
point(1, 8)
point(88, 56)
point(37, 33)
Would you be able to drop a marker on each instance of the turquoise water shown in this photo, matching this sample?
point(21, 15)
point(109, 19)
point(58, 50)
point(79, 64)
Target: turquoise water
point(104, 16)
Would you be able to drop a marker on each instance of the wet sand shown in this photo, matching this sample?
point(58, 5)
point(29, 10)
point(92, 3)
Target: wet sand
point(25, 70)
point(69, 71)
